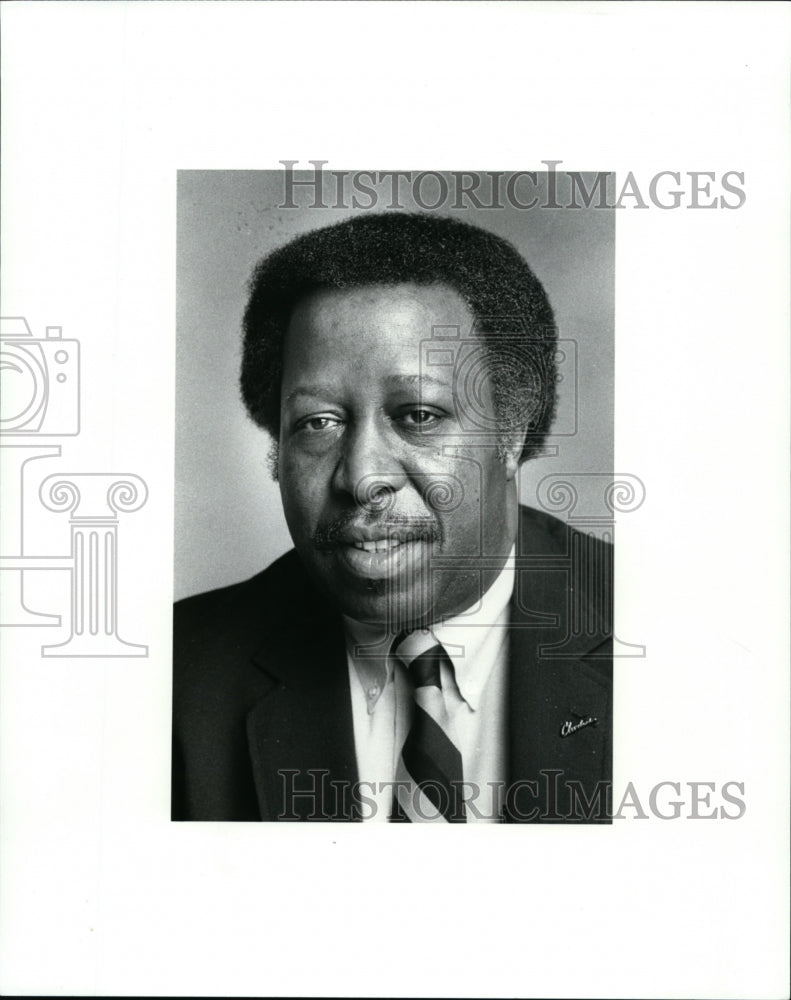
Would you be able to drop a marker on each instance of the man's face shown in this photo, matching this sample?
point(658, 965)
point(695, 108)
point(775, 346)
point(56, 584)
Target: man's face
point(389, 502)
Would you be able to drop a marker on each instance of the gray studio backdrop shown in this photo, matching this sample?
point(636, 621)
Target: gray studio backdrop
point(229, 523)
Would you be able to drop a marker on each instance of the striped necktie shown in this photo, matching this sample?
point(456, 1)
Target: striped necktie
point(429, 775)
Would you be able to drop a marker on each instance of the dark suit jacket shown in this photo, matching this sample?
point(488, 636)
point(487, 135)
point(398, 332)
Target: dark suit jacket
point(262, 709)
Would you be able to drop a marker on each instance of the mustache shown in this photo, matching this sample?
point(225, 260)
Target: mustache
point(346, 528)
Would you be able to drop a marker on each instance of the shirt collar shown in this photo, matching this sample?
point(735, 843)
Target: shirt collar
point(371, 660)
point(476, 631)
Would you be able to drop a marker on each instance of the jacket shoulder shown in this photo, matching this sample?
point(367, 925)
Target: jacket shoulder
point(568, 572)
point(263, 595)
point(542, 534)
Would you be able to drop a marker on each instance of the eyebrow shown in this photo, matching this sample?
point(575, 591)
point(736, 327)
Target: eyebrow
point(414, 380)
point(306, 390)
point(321, 391)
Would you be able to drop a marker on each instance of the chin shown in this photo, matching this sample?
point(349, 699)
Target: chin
point(392, 612)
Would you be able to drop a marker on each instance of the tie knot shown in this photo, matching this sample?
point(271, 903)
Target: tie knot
point(422, 655)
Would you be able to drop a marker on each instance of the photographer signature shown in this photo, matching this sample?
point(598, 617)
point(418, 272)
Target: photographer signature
point(569, 727)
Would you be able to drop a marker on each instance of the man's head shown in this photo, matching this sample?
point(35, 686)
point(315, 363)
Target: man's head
point(404, 365)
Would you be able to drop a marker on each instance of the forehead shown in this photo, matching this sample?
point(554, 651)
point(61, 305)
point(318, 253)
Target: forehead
point(392, 319)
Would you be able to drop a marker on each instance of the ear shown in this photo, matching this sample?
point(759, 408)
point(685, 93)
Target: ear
point(511, 453)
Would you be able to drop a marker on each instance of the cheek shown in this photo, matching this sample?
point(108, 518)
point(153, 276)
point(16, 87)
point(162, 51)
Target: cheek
point(298, 492)
point(455, 498)
point(481, 486)
point(457, 486)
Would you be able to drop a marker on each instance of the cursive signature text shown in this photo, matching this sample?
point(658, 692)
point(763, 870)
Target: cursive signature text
point(569, 727)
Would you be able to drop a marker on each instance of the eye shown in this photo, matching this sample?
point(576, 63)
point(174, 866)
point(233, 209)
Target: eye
point(420, 419)
point(315, 424)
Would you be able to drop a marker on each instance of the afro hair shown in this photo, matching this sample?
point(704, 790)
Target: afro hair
point(513, 316)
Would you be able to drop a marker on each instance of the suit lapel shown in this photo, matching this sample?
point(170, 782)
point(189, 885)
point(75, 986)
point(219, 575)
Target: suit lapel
point(301, 735)
point(560, 720)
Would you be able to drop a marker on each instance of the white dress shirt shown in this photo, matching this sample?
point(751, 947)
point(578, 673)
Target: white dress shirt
point(475, 695)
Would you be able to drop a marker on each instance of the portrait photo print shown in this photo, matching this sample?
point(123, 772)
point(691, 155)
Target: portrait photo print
point(395, 496)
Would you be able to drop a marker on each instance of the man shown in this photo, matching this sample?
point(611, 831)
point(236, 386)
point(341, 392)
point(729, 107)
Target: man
point(430, 651)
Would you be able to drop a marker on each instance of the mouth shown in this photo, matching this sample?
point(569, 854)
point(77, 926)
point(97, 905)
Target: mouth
point(383, 558)
point(370, 550)
point(381, 544)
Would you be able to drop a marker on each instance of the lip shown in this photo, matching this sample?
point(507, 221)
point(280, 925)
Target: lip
point(383, 533)
point(378, 544)
point(379, 558)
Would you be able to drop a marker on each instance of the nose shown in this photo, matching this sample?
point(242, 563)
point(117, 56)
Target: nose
point(369, 468)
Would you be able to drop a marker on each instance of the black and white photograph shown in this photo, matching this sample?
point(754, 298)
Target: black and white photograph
point(394, 492)
point(438, 647)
